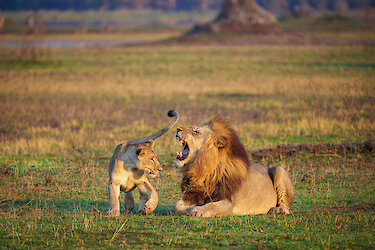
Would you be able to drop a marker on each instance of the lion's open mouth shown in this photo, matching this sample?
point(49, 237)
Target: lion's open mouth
point(185, 152)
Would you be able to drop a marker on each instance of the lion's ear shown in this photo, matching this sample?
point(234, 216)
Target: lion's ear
point(147, 144)
point(221, 141)
point(150, 143)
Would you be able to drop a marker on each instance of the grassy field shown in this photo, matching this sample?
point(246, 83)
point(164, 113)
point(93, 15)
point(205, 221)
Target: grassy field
point(63, 111)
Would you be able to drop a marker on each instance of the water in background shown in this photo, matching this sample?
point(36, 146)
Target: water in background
point(65, 43)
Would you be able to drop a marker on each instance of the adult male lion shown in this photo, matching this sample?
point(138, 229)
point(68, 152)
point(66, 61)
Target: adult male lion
point(127, 170)
point(218, 178)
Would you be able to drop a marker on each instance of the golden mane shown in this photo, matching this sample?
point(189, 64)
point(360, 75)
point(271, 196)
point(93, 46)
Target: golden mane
point(219, 167)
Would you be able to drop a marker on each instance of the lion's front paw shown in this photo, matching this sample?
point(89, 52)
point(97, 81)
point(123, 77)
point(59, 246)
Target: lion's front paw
point(112, 213)
point(279, 210)
point(200, 212)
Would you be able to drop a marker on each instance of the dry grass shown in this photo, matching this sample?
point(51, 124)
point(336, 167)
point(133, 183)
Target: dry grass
point(100, 97)
point(63, 113)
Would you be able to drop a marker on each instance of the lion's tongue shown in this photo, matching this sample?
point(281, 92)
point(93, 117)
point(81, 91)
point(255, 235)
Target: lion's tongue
point(184, 154)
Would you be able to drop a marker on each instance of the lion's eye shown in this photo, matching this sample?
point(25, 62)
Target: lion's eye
point(196, 131)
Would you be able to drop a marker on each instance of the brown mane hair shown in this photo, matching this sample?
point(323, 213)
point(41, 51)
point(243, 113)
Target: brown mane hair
point(218, 170)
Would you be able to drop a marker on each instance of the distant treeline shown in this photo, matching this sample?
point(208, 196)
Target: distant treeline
point(180, 5)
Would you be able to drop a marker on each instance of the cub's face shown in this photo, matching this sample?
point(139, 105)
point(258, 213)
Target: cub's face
point(147, 159)
point(192, 140)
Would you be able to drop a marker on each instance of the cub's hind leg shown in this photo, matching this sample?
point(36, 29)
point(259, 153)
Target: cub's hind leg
point(284, 190)
point(129, 201)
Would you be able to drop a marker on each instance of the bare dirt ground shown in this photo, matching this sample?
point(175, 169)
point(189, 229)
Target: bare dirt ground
point(288, 150)
point(287, 36)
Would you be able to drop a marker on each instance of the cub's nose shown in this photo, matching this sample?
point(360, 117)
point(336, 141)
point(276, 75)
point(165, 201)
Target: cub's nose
point(179, 129)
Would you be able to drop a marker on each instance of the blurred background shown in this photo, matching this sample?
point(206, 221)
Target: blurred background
point(160, 19)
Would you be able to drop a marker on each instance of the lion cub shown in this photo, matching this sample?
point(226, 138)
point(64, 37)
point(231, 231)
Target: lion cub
point(127, 170)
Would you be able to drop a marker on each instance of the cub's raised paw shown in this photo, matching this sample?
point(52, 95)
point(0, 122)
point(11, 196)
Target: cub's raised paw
point(145, 211)
point(112, 213)
point(279, 210)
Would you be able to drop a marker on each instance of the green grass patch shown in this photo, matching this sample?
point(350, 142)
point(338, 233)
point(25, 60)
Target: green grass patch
point(65, 110)
point(62, 206)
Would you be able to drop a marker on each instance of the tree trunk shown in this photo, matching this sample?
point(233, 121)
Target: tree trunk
point(240, 16)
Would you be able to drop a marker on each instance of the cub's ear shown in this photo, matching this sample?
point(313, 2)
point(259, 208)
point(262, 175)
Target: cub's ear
point(221, 141)
point(150, 143)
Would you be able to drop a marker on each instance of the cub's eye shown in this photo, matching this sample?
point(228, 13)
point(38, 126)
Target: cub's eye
point(196, 131)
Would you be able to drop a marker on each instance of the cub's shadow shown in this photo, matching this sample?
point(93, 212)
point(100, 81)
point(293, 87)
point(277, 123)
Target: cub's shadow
point(22, 206)
point(164, 210)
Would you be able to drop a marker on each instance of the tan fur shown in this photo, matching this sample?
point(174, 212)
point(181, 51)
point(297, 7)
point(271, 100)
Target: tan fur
point(127, 171)
point(218, 178)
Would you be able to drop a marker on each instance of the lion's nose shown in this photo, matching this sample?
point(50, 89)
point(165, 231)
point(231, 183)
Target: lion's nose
point(179, 129)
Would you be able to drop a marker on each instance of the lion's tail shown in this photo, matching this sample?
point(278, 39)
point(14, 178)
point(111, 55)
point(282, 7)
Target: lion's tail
point(171, 113)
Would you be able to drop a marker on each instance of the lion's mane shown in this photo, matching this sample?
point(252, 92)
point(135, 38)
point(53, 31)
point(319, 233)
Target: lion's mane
point(217, 171)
